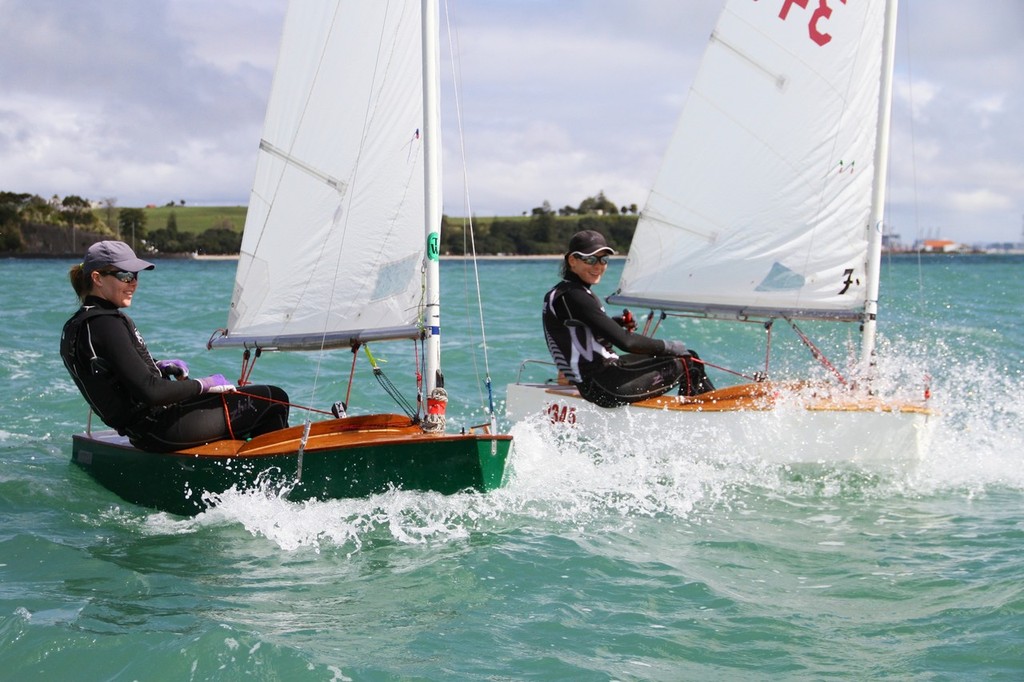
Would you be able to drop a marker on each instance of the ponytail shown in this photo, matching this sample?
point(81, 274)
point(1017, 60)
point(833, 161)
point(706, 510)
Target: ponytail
point(565, 269)
point(80, 281)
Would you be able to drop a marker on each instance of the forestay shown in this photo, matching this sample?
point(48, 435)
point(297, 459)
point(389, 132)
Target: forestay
point(762, 206)
point(334, 236)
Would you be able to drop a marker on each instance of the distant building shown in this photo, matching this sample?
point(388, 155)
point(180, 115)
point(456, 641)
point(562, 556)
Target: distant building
point(940, 246)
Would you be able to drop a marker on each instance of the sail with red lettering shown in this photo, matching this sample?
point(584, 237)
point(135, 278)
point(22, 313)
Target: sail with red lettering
point(763, 204)
point(769, 207)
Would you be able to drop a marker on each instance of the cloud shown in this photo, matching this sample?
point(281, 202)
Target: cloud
point(158, 100)
point(114, 101)
point(979, 200)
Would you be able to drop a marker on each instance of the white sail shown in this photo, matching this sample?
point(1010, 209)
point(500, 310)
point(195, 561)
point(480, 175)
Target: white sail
point(333, 248)
point(762, 206)
point(769, 205)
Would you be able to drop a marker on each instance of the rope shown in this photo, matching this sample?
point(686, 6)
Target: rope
point(647, 323)
point(416, 350)
point(351, 374)
point(657, 324)
point(816, 353)
point(757, 377)
point(723, 369)
point(227, 415)
point(456, 66)
point(768, 326)
point(389, 387)
point(278, 402)
point(247, 368)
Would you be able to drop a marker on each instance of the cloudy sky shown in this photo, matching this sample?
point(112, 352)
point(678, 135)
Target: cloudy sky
point(150, 101)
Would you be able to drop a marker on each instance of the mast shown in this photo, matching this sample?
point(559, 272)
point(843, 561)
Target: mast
point(432, 192)
point(874, 256)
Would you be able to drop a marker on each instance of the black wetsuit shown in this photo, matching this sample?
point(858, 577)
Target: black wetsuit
point(580, 337)
point(109, 362)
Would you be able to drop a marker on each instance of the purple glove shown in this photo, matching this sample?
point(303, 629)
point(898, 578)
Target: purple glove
point(173, 368)
point(675, 348)
point(215, 383)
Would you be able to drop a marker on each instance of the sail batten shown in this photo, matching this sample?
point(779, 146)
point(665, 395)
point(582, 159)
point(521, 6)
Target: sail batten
point(762, 202)
point(287, 158)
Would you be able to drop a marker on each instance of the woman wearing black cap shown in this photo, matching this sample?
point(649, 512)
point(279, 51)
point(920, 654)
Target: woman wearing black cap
point(580, 337)
point(109, 362)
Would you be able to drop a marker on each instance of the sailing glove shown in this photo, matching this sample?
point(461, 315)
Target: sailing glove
point(675, 348)
point(173, 368)
point(215, 383)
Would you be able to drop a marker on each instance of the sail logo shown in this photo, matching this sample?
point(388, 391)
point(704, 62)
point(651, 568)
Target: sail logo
point(820, 16)
point(433, 246)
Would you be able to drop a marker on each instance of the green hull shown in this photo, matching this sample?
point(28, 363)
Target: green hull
point(175, 482)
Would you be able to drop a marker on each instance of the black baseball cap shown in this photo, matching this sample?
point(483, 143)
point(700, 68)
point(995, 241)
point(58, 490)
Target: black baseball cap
point(589, 243)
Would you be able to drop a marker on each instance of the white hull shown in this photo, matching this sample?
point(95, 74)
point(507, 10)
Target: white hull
point(783, 424)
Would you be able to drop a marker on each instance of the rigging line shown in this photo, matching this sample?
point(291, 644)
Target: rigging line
point(389, 387)
point(663, 316)
point(351, 375)
point(268, 399)
point(227, 416)
point(456, 79)
point(456, 67)
point(905, 23)
point(416, 352)
point(816, 352)
point(723, 369)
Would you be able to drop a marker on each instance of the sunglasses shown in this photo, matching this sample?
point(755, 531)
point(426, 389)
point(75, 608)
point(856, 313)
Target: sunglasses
point(591, 260)
point(123, 276)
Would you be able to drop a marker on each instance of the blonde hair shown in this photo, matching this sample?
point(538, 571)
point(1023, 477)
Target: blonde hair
point(80, 281)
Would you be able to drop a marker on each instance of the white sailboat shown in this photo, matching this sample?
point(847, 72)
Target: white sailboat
point(340, 249)
point(769, 206)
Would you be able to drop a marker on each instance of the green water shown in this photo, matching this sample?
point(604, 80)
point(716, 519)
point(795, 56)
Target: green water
point(640, 557)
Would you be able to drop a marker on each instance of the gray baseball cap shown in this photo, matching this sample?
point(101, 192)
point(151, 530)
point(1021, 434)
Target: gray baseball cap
point(118, 254)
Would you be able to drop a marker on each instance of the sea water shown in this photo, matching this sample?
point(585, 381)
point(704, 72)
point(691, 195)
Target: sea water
point(638, 556)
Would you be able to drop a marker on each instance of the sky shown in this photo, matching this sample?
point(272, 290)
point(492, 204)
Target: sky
point(151, 101)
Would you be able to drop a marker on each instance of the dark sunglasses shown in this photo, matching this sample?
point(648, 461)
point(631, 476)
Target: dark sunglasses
point(123, 275)
point(591, 260)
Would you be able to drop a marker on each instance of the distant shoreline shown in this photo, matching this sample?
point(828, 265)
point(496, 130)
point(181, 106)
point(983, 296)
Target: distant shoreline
point(222, 256)
point(485, 257)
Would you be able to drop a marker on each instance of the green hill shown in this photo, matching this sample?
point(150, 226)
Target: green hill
point(194, 219)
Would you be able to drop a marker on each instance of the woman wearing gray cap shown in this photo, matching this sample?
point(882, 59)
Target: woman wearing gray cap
point(154, 403)
point(580, 338)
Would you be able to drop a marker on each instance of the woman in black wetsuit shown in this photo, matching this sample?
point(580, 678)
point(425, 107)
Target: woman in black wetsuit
point(580, 337)
point(109, 362)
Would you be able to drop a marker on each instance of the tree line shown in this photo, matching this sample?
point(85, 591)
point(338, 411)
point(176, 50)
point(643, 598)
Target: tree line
point(541, 232)
point(30, 224)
